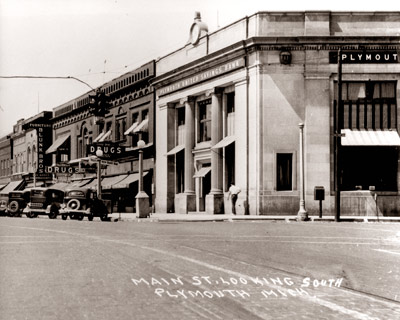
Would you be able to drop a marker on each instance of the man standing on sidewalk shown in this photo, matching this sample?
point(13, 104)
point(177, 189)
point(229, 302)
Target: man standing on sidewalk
point(233, 194)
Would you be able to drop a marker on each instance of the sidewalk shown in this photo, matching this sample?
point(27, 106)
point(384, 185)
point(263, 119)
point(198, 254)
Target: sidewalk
point(198, 217)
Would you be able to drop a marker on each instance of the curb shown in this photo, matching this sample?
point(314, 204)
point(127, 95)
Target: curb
point(227, 218)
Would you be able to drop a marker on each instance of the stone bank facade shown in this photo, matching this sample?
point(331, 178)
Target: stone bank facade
point(229, 104)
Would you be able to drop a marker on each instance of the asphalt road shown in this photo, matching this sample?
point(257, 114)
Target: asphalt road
point(54, 269)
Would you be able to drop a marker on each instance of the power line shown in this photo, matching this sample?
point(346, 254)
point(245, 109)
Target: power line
point(46, 77)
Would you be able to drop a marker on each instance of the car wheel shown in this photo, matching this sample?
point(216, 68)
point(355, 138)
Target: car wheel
point(74, 204)
point(90, 218)
point(80, 217)
point(13, 208)
point(64, 217)
point(29, 215)
point(53, 213)
point(104, 217)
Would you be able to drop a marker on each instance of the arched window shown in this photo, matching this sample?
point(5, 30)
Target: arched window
point(28, 160)
point(34, 157)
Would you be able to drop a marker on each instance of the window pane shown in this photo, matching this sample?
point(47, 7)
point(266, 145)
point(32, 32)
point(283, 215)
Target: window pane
point(388, 90)
point(284, 171)
point(356, 91)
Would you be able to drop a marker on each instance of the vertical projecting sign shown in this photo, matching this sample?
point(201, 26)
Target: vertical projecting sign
point(44, 136)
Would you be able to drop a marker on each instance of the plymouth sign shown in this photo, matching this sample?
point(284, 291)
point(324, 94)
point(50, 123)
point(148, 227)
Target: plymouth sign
point(365, 57)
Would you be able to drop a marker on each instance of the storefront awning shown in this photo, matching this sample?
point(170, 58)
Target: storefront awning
point(34, 185)
point(91, 185)
point(131, 128)
point(370, 138)
point(202, 172)
point(175, 150)
point(105, 136)
point(81, 183)
point(11, 186)
point(108, 182)
point(60, 185)
point(224, 142)
point(99, 136)
point(58, 143)
point(142, 127)
point(131, 178)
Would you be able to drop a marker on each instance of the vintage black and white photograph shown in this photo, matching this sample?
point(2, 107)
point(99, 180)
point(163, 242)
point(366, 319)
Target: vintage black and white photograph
point(196, 159)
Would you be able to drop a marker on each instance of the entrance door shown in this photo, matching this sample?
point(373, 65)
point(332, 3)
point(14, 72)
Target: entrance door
point(203, 186)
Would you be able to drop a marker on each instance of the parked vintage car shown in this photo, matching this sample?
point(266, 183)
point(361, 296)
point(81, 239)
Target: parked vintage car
point(3, 203)
point(17, 202)
point(83, 202)
point(44, 201)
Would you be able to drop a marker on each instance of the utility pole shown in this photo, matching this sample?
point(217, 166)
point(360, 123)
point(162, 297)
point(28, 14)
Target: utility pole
point(338, 126)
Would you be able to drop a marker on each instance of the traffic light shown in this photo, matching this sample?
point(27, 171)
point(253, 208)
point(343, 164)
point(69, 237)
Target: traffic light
point(99, 103)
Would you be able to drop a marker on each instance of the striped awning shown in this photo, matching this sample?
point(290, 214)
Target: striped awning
point(58, 143)
point(131, 178)
point(131, 128)
point(370, 138)
point(142, 127)
point(11, 186)
point(109, 182)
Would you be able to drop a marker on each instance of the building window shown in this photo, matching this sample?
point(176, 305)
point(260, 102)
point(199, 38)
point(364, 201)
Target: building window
point(145, 133)
point(180, 172)
point(229, 165)
point(204, 121)
point(368, 105)
point(180, 125)
point(120, 128)
point(135, 138)
point(284, 171)
point(230, 111)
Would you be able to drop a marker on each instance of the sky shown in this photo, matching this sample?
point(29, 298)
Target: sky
point(99, 40)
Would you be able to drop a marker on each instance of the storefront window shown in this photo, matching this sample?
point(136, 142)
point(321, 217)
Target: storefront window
point(230, 110)
point(366, 168)
point(284, 171)
point(369, 105)
point(204, 121)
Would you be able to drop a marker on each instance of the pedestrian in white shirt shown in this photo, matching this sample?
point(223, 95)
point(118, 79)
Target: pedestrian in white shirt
point(233, 194)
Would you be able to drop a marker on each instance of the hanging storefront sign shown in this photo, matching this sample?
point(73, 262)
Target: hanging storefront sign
point(110, 150)
point(365, 57)
point(44, 141)
point(64, 170)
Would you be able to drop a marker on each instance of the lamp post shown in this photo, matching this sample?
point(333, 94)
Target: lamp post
point(99, 154)
point(142, 199)
point(302, 214)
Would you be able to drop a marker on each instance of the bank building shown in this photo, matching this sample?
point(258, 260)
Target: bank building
point(258, 100)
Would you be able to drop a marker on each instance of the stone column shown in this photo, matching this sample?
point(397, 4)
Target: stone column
point(187, 201)
point(214, 201)
point(189, 144)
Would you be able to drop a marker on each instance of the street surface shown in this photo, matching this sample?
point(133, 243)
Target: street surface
point(54, 269)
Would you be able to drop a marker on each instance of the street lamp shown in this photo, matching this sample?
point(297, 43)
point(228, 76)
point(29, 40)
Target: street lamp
point(142, 199)
point(302, 214)
point(99, 154)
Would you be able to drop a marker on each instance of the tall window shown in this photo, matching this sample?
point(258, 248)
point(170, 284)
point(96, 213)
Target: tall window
point(120, 128)
point(181, 126)
point(135, 138)
point(28, 160)
point(180, 172)
point(230, 110)
point(145, 133)
point(284, 171)
point(204, 120)
point(369, 105)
